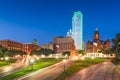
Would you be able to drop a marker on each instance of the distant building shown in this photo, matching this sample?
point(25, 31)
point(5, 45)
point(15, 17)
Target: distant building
point(48, 46)
point(77, 30)
point(63, 44)
point(29, 47)
point(97, 44)
point(11, 45)
point(35, 41)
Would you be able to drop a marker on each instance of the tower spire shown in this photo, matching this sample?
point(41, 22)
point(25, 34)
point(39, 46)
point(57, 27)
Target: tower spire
point(96, 28)
point(96, 35)
point(35, 41)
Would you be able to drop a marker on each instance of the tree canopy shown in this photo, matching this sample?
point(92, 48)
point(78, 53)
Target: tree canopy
point(5, 52)
point(116, 45)
point(66, 53)
point(82, 52)
point(116, 48)
point(43, 51)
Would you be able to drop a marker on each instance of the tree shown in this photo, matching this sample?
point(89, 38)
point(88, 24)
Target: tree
point(116, 48)
point(16, 52)
point(24, 53)
point(102, 50)
point(6, 53)
point(3, 51)
point(49, 51)
point(35, 52)
point(116, 45)
point(82, 52)
point(46, 52)
point(66, 53)
point(41, 51)
point(105, 51)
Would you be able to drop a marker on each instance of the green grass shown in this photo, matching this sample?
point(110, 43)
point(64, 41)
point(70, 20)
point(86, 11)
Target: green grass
point(38, 65)
point(4, 63)
point(79, 65)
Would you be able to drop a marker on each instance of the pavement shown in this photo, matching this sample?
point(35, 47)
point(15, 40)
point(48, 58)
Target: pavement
point(101, 71)
point(48, 73)
point(12, 68)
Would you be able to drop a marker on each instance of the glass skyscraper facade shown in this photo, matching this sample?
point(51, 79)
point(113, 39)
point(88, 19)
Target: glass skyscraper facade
point(77, 30)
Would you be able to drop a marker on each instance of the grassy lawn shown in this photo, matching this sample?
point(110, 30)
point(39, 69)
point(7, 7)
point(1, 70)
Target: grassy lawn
point(38, 65)
point(79, 65)
point(3, 63)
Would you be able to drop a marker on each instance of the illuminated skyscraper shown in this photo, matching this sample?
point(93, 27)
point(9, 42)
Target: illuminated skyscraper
point(77, 30)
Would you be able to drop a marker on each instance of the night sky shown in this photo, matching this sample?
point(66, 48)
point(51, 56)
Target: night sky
point(24, 20)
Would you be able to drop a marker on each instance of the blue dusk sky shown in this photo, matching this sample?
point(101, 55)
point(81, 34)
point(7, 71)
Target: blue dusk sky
point(24, 20)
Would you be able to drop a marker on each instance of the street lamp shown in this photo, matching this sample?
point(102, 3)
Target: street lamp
point(82, 58)
point(94, 44)
point(6, 59)
point(37, 57)
point(93, 57)
point(64, 61)
point(57, 58)
point(2, 58)
point(32, 60)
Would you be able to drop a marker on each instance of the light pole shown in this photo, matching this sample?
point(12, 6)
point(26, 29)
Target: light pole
point(82, 58)
point(32, 60)
point(6, 59)
point(93, 57)
point(64, 61)
point(2, 58)
point(57, 58)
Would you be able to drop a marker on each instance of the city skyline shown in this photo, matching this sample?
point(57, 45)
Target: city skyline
point(25, 20)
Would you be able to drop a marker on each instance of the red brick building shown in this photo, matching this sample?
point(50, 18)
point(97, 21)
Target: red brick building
point(63, 44)
point(97, 44)
point(10, 45)
point(29, 47)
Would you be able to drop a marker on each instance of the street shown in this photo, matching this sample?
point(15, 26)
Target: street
point(48, 73)
point(12, 68)
point(101, 71)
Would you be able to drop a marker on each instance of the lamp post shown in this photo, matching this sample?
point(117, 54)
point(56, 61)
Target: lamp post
point(92, 57)
point(94, 44)
point(82, 58)
point(64, 61)
point(32, 60)
point(2, 58)
point(6, 59)
point(57, 58)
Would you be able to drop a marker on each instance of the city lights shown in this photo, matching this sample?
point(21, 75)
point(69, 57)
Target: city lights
point(6, 58)
point(32, 60)
point(59, 39)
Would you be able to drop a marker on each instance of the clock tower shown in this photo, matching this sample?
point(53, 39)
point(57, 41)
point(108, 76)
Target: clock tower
point(96, 35)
